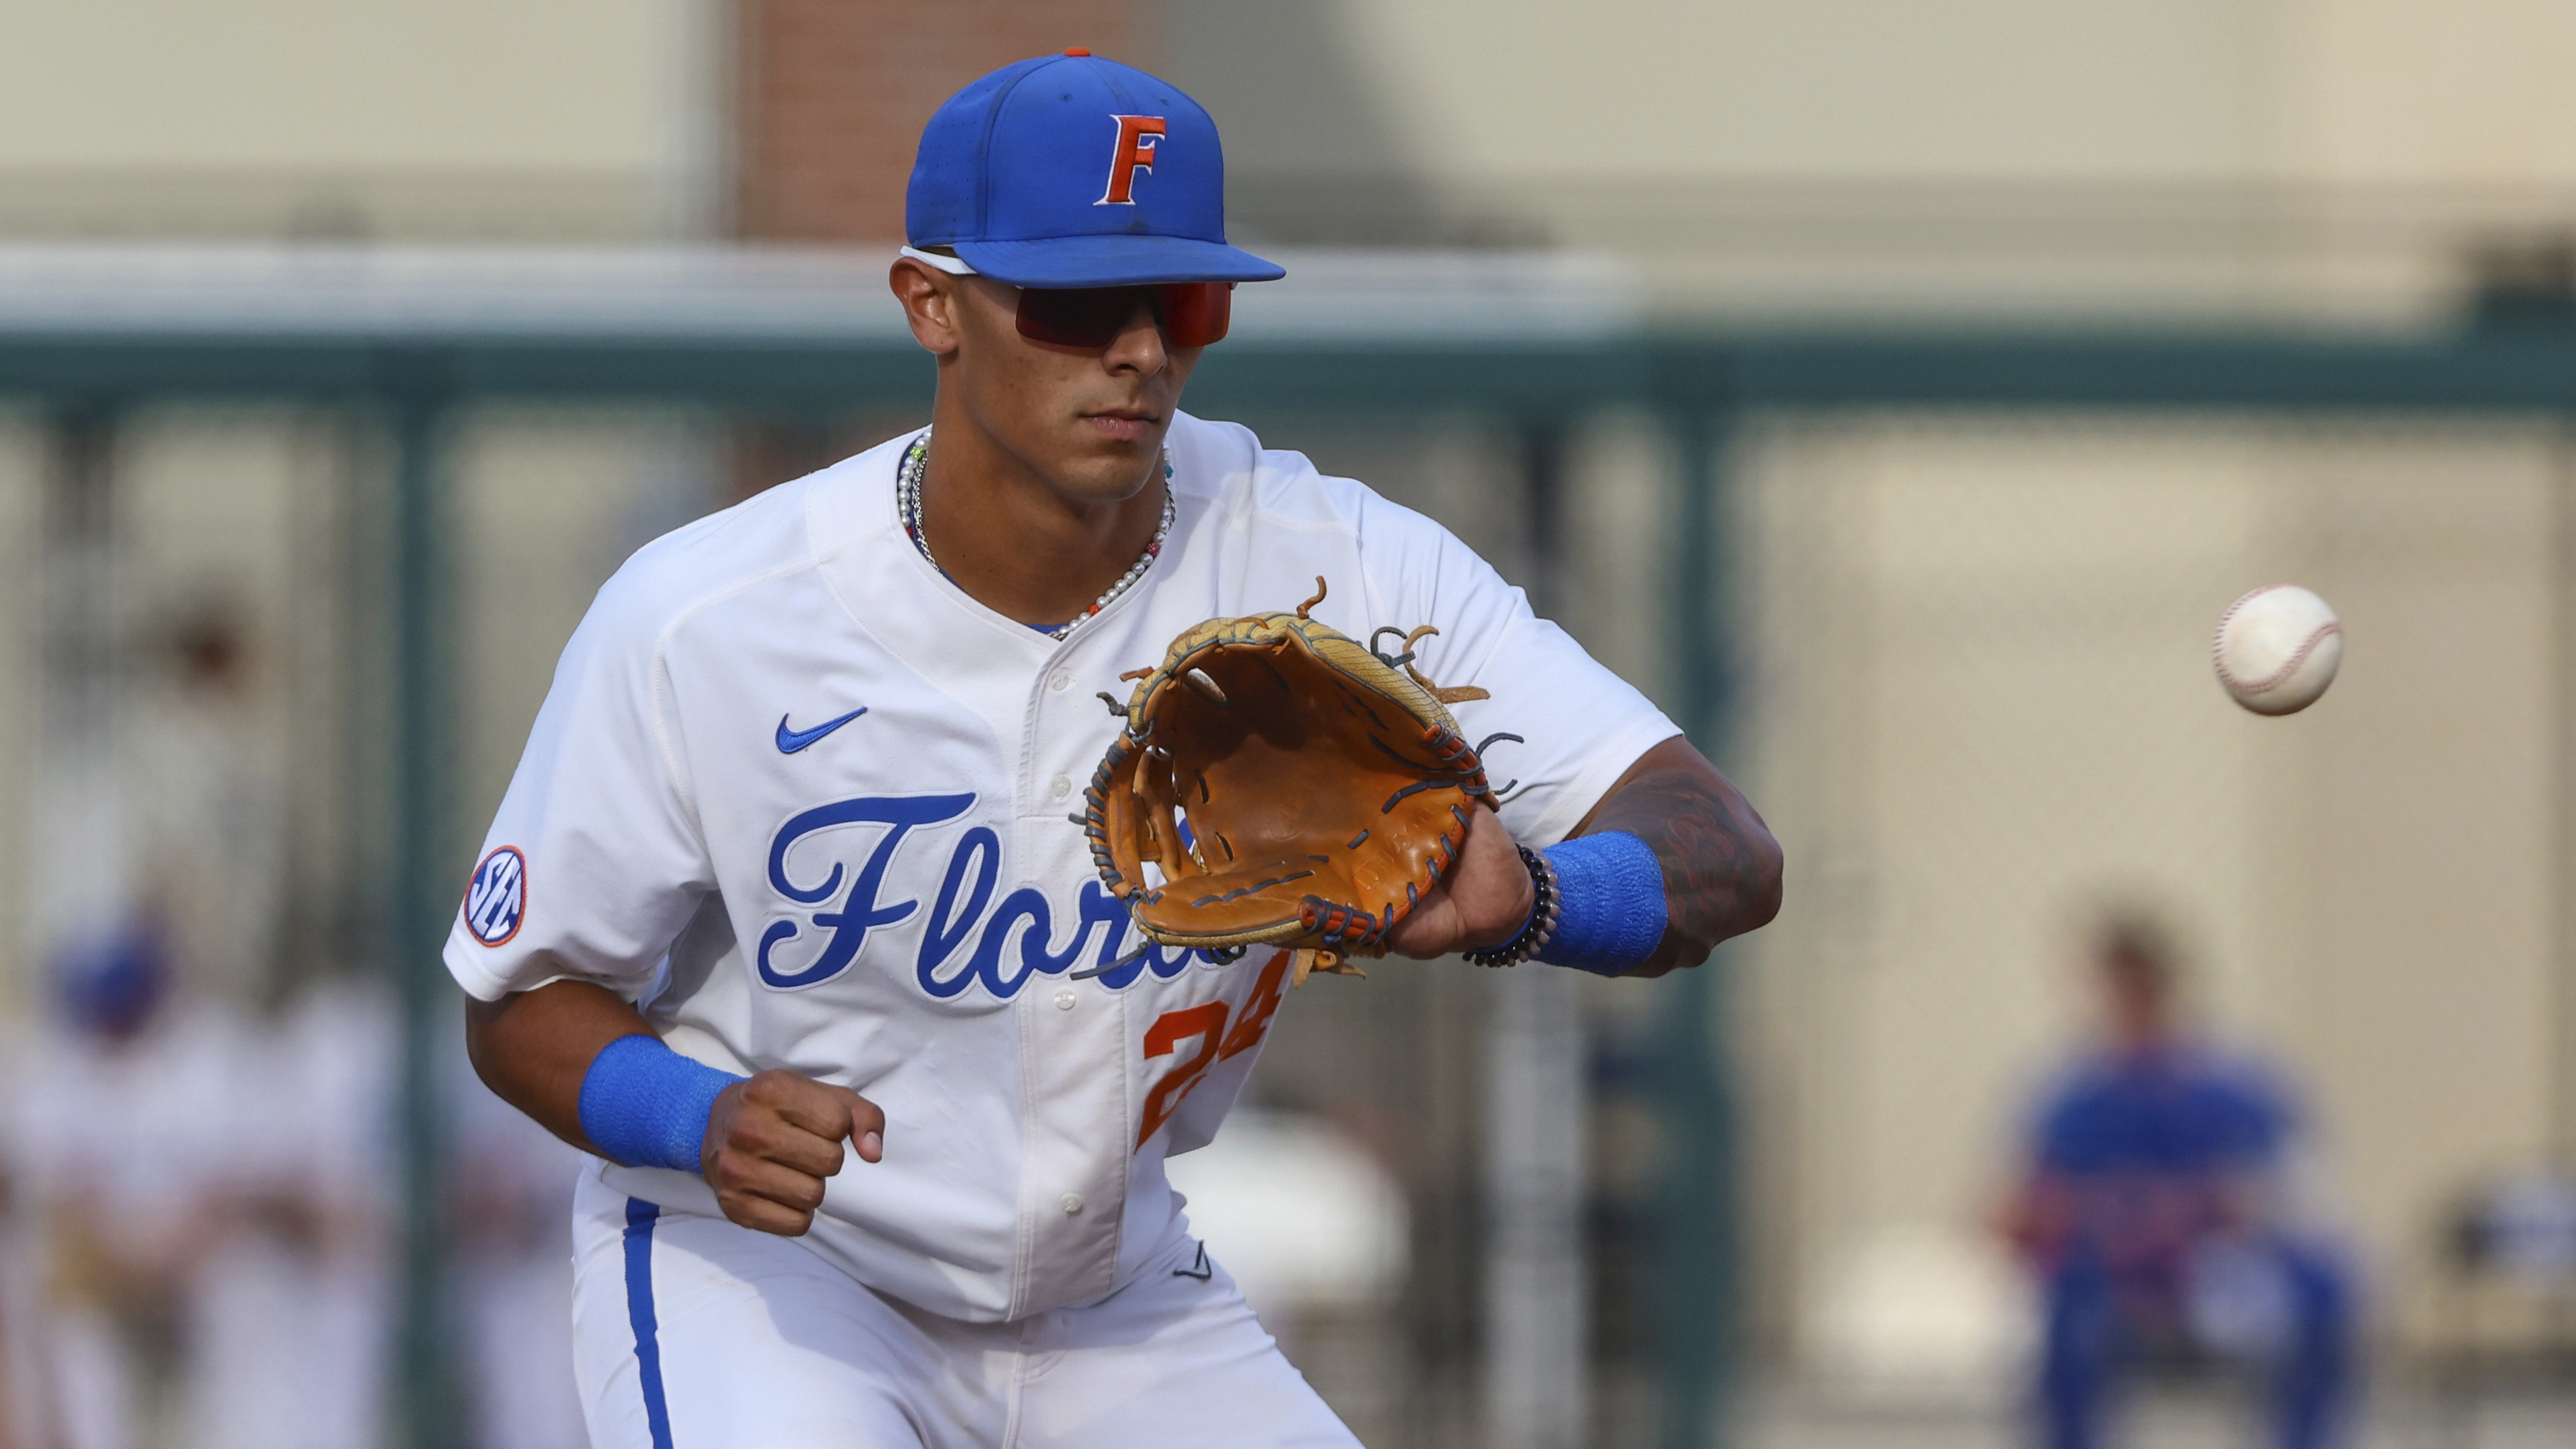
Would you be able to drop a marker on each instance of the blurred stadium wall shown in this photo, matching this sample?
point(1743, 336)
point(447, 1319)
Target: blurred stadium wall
point(288, 118)
point(1976, 702)
point(1984, 156)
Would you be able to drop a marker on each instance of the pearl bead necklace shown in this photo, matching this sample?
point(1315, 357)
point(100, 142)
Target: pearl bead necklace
point(907, 489)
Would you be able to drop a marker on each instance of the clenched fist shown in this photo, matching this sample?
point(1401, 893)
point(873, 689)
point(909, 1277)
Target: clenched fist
point(771, 1142)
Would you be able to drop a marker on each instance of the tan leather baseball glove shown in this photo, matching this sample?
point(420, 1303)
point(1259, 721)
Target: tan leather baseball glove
point(1279, 784)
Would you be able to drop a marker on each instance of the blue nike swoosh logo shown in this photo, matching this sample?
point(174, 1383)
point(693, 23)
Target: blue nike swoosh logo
point(790, 741)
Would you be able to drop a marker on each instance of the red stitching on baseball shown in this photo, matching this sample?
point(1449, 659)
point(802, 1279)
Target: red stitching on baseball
point(2274, 680)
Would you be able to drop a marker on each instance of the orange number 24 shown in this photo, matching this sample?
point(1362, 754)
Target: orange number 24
point(1206, 1022)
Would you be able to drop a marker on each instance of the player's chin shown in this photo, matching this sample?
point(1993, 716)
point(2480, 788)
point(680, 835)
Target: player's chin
point(1113, 462)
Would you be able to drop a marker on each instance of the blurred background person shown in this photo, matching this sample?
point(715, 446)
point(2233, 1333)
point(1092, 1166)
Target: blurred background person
point(208, 831)
point(293, 1321)
point(2161, 1213)
point(209, 1195)
point(123, 1145)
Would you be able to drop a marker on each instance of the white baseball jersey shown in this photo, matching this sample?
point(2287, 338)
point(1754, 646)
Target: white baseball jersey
point(807, 803)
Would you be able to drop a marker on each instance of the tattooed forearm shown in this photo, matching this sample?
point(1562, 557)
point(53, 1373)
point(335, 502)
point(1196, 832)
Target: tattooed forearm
point(1721, 866)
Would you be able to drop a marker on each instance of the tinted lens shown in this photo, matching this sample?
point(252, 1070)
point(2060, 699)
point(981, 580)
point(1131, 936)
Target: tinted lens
point(1192, 314)
point(1086, 317)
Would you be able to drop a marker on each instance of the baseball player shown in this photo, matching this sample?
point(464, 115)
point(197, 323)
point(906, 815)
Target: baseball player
point(783, 917)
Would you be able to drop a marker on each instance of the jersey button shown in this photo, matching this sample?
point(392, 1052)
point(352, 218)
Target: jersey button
point(1071, 1202)
point(1060, 681)
point(1059, 787)
point(1064, 999)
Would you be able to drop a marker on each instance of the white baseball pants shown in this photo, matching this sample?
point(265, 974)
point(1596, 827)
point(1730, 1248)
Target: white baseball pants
point(694, 1333)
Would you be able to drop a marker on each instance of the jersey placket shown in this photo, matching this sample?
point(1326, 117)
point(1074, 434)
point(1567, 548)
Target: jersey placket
point(1073, 1034)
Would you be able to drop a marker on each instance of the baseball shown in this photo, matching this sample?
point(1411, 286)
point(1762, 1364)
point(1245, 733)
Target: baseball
point(2277, 649)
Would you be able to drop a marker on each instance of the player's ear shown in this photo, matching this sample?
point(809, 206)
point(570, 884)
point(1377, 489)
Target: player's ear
point(930, 301)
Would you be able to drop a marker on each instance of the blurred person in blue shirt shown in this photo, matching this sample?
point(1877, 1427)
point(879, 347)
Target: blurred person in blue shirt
point(2158, 1208)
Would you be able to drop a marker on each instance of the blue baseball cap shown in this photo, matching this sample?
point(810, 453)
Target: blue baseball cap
point(110, 984)
point(1074, 171)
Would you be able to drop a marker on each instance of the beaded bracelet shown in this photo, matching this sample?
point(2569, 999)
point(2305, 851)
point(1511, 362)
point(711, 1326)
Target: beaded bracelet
point(1533, 935)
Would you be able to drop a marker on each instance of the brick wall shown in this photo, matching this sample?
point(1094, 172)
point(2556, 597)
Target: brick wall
point(830, 96)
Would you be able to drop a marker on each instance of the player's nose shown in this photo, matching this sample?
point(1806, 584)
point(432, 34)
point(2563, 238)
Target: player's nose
point(1139, 344)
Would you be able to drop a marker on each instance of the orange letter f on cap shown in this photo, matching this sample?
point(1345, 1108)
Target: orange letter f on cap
point(1139, 138)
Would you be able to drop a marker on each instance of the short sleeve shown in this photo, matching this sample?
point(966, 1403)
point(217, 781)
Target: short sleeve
point(1579, 725)
point(594, 862)
point(2256, 1116)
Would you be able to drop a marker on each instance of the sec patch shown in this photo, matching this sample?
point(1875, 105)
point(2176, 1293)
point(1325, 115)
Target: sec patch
point(497, 897)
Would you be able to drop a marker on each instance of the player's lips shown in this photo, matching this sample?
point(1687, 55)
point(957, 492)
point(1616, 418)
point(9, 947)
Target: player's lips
point(1122, 424)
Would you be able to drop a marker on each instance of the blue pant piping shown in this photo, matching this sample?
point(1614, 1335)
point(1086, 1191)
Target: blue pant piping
point(639, 1312)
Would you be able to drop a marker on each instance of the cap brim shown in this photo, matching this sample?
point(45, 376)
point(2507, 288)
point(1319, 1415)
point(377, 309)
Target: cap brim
point(1114, 261)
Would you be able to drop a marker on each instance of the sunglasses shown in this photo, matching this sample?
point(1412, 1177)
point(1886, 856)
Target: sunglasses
point(1191, 314)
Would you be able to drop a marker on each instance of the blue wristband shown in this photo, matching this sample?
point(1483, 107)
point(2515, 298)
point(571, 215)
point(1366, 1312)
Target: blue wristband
point(645, 1105)
point(1610, 912)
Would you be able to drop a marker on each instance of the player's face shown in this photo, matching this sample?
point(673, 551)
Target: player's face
point(1089, 420)
point(2136, 997)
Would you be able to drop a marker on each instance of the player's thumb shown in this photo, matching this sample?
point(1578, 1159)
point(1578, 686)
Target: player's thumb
point(867, 1127)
